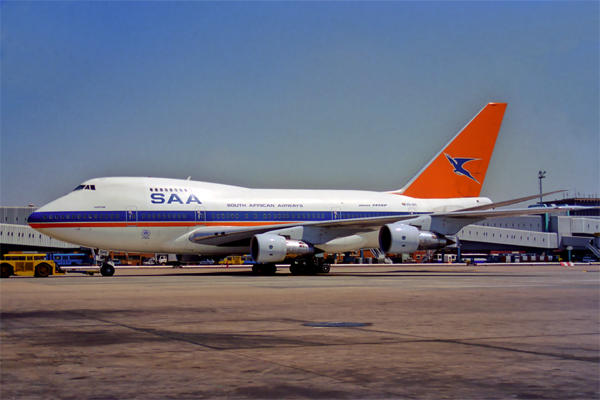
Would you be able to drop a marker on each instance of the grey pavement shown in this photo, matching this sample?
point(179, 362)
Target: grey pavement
point(431, 332)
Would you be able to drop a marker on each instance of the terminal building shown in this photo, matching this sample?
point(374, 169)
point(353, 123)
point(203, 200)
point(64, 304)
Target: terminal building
point(568, 234)
point(17, 236)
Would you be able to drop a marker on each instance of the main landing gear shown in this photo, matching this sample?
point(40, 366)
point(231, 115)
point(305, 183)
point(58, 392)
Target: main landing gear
point(300, 266)
point(309, 267)
point(264, 269)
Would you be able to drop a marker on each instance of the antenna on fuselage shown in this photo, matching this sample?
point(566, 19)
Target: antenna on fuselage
point(188, 178)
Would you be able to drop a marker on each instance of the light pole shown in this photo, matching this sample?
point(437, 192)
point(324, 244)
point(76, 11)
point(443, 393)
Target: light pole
point(541, 175)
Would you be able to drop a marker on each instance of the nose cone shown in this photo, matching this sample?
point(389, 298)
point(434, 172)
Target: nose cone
point(34, 218)
point(46, 217)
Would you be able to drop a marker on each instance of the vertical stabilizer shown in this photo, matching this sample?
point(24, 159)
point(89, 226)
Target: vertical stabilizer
point(459, 169)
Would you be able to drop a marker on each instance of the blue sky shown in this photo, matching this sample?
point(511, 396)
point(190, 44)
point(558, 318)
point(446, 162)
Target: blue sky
point(340, 95)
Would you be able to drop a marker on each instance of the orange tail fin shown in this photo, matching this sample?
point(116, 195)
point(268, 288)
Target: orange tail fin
point(459, 169)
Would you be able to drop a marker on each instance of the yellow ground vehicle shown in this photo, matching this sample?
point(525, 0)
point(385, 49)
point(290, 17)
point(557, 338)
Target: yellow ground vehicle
point(232, 260)
point(24, 264)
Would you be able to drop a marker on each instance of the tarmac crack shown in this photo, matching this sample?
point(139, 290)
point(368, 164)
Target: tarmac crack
point(168, 336)
point(465, 342)
point(569, 357)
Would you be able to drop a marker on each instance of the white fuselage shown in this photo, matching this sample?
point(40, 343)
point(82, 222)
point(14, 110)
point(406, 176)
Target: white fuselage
point(157, 215)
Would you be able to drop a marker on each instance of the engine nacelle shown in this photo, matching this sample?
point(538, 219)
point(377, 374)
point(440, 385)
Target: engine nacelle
point(400, 238)
point(275, 248)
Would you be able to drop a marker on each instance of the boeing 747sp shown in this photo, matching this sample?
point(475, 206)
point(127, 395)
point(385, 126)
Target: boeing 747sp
point(156, 215)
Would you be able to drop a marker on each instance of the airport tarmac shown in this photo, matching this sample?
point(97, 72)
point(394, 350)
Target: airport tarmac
point(430, 332)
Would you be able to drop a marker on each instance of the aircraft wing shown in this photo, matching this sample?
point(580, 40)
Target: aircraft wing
point(237, 236)
point(510, 202)
point(240, 236)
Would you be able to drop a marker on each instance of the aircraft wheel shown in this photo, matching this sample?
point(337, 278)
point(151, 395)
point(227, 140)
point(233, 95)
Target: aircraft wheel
point(264, 269)
point(107, 270)
point(295, 269)
point(6, 270)
point(42, 270)
point(310, 268)
point(325, 268)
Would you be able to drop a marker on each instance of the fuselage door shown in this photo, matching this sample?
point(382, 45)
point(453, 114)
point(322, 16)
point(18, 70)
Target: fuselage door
point(131, 216)
point(200, 215)
point(336, 213)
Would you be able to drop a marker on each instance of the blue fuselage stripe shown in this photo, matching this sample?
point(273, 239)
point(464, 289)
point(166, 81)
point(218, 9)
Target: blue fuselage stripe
point(199, 215)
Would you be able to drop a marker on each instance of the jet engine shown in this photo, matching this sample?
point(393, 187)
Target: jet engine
point(401, 238)
point(274, 248)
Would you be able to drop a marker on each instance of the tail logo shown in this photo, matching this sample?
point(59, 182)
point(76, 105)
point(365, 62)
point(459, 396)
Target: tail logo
point(458, 165)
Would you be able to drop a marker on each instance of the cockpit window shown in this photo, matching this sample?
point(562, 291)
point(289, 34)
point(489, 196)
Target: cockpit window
point(85, 187)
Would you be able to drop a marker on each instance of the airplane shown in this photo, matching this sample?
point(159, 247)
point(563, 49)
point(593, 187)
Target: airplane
point(291, 226)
